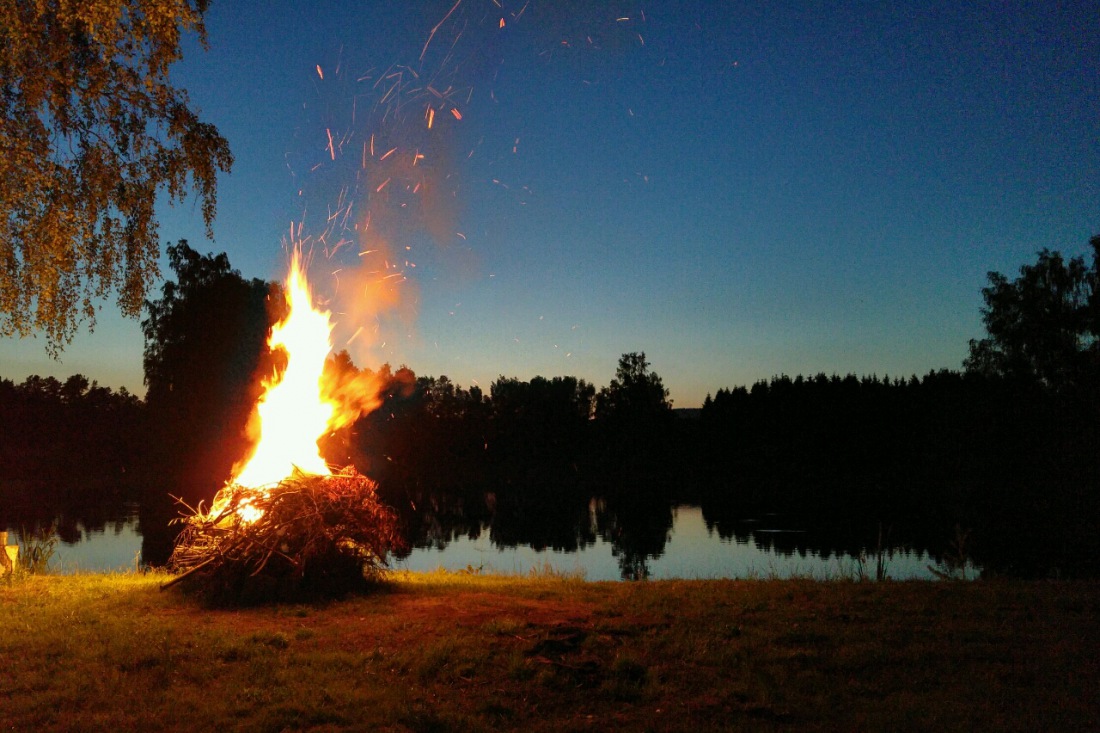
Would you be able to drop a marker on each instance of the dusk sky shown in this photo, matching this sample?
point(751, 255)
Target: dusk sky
point(739, 190)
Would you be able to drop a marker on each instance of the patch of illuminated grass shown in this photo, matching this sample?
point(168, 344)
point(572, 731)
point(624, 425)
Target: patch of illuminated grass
point(471, 651)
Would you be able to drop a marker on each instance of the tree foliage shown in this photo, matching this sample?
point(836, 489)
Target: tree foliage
point(635, 392)
point(634, 418)
point(205, 352)
point(90, 131)
point(1044, 326)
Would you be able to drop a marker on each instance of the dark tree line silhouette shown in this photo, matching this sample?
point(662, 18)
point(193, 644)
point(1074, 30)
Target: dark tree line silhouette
point(1008, 449)
point(53, 430)
point(1014, 462)
point(68, 451)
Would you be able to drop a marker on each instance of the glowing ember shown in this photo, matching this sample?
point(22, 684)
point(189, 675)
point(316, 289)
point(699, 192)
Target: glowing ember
point(293, 413)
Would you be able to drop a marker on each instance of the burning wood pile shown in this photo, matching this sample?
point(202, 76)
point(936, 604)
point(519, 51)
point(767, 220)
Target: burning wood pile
point(312, 532)
point(309, 534)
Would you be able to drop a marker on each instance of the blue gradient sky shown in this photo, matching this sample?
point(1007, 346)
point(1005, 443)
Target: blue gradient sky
point(738, 189)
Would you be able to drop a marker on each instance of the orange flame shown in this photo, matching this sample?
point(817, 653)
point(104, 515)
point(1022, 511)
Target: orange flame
point(293, 412)
point(303, 403)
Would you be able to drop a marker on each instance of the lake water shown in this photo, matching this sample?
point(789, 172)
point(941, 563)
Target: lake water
point(691, 552)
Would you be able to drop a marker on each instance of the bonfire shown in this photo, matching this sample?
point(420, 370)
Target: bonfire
point(308, 534)
point(284, 524)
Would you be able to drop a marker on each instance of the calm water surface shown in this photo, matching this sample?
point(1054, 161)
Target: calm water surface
point(692, 552)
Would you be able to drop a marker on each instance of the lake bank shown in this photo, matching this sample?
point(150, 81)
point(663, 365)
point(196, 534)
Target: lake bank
point(452, 651)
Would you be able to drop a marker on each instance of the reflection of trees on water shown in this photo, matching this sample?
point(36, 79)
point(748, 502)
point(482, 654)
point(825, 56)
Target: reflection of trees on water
point(794, 534)
point(846, 534)
point(636, 527)
point(637, 531)
point(435, 519)
point(74, 512)
point(158, 532)
point(559, 519)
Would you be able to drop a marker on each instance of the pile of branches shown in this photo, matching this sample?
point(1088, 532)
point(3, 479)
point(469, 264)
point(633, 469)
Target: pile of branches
point(307, 535)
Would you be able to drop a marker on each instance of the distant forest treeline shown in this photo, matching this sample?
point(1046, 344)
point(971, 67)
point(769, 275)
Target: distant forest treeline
point(1007, 450)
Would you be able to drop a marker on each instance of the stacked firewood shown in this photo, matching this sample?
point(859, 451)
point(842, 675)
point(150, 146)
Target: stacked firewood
point(309, 534)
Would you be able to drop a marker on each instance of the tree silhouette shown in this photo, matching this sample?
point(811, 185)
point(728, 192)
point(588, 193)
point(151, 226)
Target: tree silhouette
point(205, 353)
point(90, 132)
point(635, 393)
point(634, 416)
point(1044, 326)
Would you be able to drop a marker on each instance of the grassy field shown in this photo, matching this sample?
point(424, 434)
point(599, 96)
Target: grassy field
point(437, 652)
